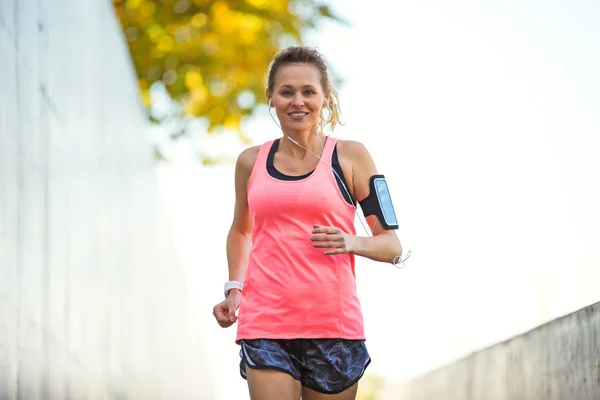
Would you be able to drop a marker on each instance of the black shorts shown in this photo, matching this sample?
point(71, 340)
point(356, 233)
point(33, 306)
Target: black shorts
point(324, 365)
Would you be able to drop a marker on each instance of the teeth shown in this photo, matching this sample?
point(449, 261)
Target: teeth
point(297, 114)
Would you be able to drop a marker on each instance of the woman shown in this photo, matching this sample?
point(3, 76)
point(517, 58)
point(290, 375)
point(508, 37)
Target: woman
point(292, 243)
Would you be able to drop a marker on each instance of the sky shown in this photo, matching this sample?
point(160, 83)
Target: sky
point(484, 118)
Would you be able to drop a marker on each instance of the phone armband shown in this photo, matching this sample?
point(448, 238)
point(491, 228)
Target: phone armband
point(379, 203)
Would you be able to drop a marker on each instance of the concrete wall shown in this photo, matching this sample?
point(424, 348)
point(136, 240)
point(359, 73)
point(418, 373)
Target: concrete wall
point(93, 304)
point(557, 361)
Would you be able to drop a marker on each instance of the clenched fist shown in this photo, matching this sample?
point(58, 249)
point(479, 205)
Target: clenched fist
point(224, 312)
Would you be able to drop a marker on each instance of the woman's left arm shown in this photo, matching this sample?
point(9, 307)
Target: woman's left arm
point(384, 245)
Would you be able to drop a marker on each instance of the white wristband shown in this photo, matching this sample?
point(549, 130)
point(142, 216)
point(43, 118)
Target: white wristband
point(232, 285)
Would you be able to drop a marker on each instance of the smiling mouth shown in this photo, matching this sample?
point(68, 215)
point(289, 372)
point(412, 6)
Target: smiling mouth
point(297, 114)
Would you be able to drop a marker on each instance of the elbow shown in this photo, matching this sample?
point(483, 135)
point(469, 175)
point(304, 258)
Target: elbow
point(395, 249)
point(241, 228)
point(392, 251)
point(398, 248)
point(235, 232)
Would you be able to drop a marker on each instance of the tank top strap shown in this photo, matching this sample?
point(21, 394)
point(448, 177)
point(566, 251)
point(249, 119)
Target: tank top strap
point(259, 169)
point(263, 153)
point(328, 150)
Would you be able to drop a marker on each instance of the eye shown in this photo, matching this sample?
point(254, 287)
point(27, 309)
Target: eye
point(286, 93)
point(309, 92)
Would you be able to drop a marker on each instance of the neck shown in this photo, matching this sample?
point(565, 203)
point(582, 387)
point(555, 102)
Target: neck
point(297, 144)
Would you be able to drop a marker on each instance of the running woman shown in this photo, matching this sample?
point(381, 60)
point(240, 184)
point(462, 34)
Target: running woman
point(291, 247)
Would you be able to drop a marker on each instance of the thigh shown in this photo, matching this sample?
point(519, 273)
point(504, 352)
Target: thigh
point(269, 384)
point(333, 366)
point(348, 394)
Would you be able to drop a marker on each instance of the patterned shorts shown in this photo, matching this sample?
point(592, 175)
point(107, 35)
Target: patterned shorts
point(324, 365)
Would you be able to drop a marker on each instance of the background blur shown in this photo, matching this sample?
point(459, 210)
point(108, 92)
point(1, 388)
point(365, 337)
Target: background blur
point(483, 118)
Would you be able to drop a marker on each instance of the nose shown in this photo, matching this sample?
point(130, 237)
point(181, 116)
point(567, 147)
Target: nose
point(298, 100)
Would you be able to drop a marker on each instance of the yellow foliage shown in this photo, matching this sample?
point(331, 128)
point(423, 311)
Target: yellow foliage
point(155, 31)
point(278, 5)
point(146, 97)
point(258, 3)
point(147, 9)
point(193, 79)
point(219, 10)
point(199, 20)
point(166, 44)
point(232, 122)
point(133, 3)
point(198, 96)
point(216, 115)
point(207, 52)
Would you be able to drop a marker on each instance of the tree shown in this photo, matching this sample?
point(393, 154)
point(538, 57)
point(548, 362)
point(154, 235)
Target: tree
point(212, 55)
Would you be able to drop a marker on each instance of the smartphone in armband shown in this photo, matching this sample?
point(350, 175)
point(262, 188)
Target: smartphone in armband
point(389, 219)
point(379, 203)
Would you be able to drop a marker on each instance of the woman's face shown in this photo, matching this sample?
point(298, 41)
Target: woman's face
point(298, 97)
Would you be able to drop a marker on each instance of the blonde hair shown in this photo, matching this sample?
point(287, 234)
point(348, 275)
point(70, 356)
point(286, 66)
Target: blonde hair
point(307, 55)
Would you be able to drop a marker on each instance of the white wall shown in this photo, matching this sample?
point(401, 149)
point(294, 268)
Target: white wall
point(93, 303)
point(558, 360)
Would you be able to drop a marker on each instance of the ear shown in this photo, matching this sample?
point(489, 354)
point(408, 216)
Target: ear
point(326, 103)
point(269, 97)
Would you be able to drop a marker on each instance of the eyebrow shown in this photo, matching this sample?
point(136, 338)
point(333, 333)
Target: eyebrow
point(291, 87)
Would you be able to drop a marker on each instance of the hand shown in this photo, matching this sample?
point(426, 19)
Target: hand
point(334, 238)
point(224, 312)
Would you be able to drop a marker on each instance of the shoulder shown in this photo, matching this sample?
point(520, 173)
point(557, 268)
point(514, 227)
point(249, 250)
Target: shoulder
point(246, 160)
point(245, 163)
point(356, 155)
point(354, 151)
point(248, 157)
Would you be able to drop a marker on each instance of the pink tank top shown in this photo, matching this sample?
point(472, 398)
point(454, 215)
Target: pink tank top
point(291, 289)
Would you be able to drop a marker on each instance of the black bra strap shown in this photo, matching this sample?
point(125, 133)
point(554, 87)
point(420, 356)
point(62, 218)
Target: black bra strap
point(272, 151)
point(335, 163)
point(275, 173)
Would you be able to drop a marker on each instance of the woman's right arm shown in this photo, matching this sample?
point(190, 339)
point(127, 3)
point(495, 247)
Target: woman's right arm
point(240, 233)
point(239, 237)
